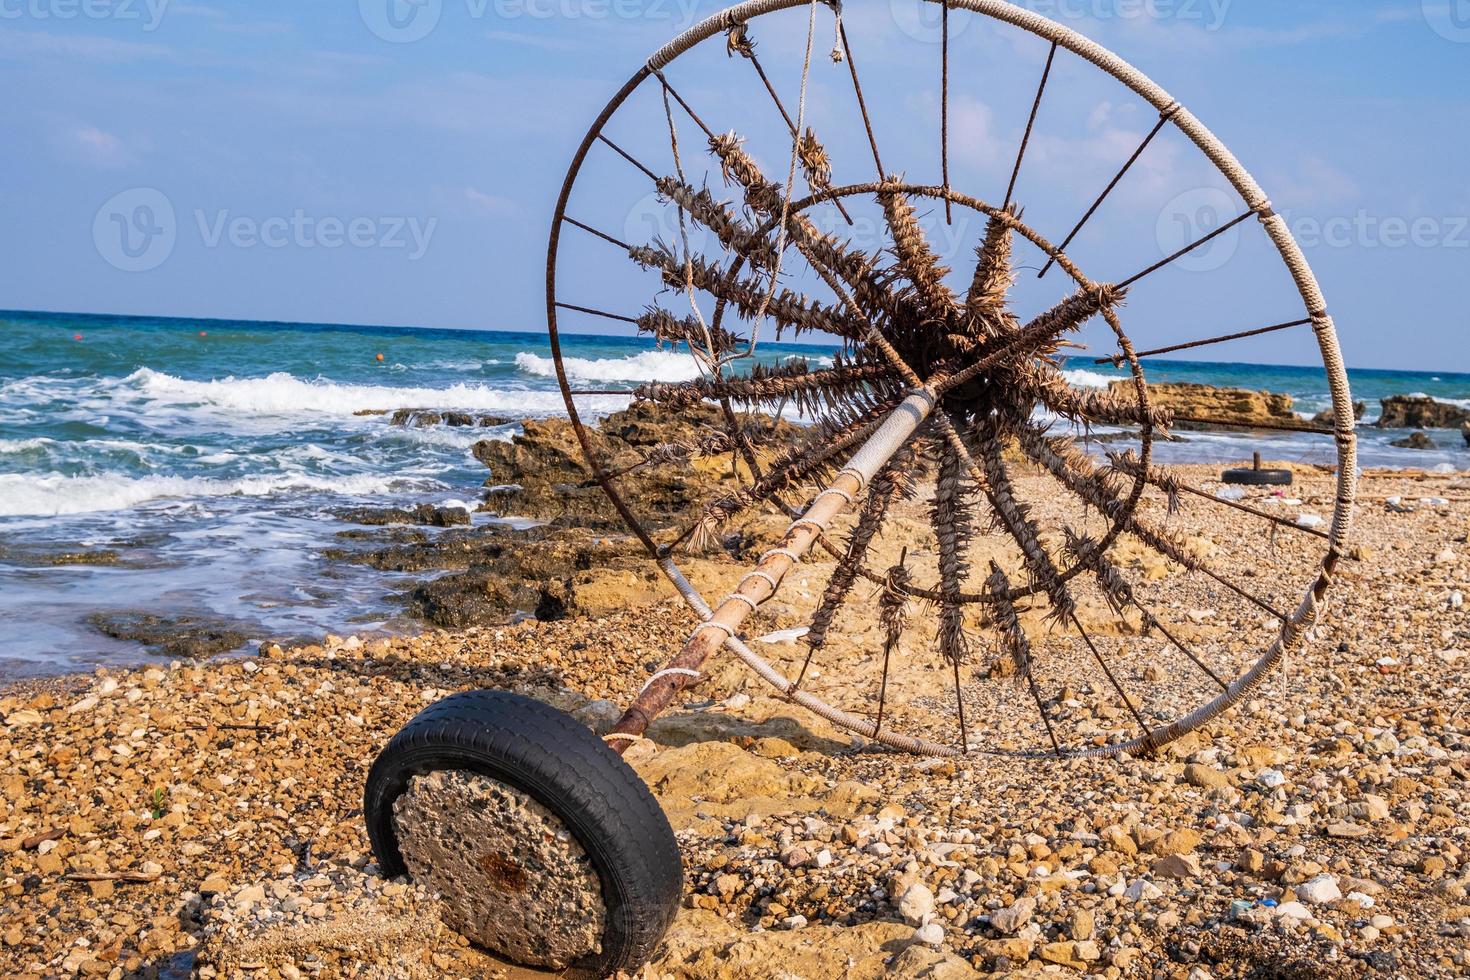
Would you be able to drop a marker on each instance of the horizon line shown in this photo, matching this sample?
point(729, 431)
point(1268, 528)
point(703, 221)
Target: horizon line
point(587, 333)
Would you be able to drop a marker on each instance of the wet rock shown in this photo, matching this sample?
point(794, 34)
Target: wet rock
point(1465, 431)
point(541, 472)
point(421, 418)
point(423, 514)
point(1414, 440)
point(174, 636)
point(1326, 419)
point(1414, 412)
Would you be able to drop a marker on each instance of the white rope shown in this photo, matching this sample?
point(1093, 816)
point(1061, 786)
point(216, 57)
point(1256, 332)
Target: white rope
point(787, 552)
point(667, 671)
point(762, 574)
point(740, 596)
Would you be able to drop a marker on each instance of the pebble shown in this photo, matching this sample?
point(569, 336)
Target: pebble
point(1319, 890)
point(917, 904)
point(930, 935)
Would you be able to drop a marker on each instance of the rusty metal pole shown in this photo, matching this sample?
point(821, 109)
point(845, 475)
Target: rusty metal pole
point(761, 583)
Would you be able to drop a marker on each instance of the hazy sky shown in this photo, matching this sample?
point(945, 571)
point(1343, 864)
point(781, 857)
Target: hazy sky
point(397, 161)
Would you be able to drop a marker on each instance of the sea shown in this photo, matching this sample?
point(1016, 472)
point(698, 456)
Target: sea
point(210, 459)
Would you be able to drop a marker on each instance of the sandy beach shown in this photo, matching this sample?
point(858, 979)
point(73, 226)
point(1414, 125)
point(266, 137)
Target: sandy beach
point(207, 815)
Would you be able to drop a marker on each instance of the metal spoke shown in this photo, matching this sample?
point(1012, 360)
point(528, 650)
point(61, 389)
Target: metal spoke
point(1125, 464)
point(1187, 249)
point(1111, 679)
point(1117, 359)
point(627, 156)
point(593, 231)
point(1030, 124)
point(944, 108)
point(857, 88)
point(595, 312)
point(1163, 118)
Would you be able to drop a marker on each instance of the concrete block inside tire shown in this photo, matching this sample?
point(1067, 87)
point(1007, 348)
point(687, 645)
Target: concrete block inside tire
point(545, 846)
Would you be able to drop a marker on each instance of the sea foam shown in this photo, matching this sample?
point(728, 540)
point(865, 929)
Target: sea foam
point(654, 365)
point(284, 394)
point(25, 495)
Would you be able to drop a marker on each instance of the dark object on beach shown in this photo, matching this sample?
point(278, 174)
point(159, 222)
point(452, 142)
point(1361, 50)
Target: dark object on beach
point(1465, 431)
point(1257, 477)
point(591, 893)
point(1416, 412)
point(174, 636)
point(1415, 440)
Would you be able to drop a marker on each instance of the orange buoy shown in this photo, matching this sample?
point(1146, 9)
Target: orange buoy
point(380, 357)
point(76, 336)
point(204, 333)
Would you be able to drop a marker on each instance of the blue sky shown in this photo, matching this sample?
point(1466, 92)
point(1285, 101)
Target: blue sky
point(397, 162)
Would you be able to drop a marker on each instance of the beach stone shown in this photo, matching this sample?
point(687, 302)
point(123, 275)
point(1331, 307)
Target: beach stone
point(1175, 842)
point(1011, 919)
point(1142, 890)
point(1082, 924)
point(1177, 866)
point(511, 877)
point(1319, 890)
point(1205, 777)
point(917, 904)
point(930, 935)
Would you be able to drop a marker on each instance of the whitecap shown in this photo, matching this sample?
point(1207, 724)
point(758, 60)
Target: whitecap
point(284, 394)
point(1087, 379)
point(653, 365)
point(52, 494)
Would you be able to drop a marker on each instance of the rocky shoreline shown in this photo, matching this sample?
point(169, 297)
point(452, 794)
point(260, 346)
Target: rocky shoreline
point(205, 817)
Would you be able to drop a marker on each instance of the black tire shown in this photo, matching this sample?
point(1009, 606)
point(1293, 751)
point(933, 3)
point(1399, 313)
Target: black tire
point(560, 763)
point(1257, 478)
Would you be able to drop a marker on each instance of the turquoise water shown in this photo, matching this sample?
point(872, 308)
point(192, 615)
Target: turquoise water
point(211, 454)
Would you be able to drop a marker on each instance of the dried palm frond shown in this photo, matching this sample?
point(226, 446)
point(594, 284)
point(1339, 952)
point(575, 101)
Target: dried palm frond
point(666, 328)
point(1129, 464)
point(1003, 619)
point(950, 518)
point(790, 310)
point(738, 41)
point(893, 481)
point(1014, 517)
point(994, 277)
point(732, 233)
point(814, 161)
point(912, 250)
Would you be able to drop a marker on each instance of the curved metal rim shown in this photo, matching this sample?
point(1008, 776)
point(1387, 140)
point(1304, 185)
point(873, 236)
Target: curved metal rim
point(1224, 161)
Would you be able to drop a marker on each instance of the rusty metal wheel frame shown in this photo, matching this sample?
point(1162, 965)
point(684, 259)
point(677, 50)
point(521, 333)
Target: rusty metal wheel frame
point(720, 626)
